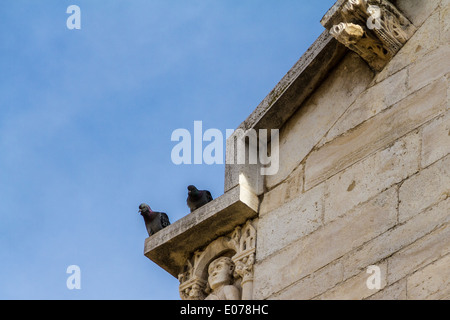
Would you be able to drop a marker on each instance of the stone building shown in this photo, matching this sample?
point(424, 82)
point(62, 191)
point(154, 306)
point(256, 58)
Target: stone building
point(360, 205)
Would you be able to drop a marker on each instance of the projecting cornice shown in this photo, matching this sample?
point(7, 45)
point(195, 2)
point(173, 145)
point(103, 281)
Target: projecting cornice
point(347, 28)
point(186, 247)
point(172, 246)
point(303, 78)
point(375, 29)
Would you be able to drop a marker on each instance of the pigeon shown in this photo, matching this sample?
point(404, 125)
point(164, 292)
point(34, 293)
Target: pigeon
point(154, 221)
point(197, 198)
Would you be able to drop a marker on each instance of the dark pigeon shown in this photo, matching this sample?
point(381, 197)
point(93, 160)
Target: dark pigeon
point(154, 221)
point(197, 198)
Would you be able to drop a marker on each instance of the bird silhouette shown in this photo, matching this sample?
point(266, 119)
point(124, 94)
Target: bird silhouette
point(197, 198)
point(154, 221)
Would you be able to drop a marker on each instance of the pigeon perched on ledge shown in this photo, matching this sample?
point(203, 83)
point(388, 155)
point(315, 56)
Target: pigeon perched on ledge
point(197, 198)
point(154, 221)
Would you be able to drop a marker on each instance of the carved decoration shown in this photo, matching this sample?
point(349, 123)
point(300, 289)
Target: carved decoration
point(374, 29)
point(370, 48)
point(224, 270)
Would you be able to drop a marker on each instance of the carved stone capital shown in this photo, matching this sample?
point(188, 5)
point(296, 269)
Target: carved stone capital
point(374, 29)
point(193, 289)
point(244, 267)
point(239, 247)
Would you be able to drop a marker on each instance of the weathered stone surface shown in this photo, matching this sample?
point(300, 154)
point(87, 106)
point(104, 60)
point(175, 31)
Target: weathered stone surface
point(245, 174)
point(370, 103)
point(364, 179)
point(445, 22)
point(171, 247)
point(432, 282)
point(420, 253)
point(424, 189)
point(313, 285)
point(309, 125)
point(212, 272)
point(448, 91)
point(289, 222)
point(333, 16)
point(417, 11)
point(436, 140)
point(291, 188)
point(425, 40)
point(430, 67)
point(372, 175)
point(397, 238)
point(375, 133)
point(353, 26)
point(397, 291)
point(325, 245)
point(284, 100)
point(355, 288)
point(303, 78)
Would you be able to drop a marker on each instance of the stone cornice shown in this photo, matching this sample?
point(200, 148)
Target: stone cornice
point(303, 78)
point(312, 68)
point(171, 247)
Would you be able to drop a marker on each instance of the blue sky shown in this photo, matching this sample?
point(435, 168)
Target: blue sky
point(86, 118)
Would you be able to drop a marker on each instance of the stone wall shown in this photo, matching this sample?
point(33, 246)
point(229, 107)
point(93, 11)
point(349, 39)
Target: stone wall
point(364, 173)
point(364, 178)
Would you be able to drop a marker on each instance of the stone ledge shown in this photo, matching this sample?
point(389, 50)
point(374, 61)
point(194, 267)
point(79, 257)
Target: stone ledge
point(171, 247)
point(285, 99)
point(303, 78)
point(333, 16)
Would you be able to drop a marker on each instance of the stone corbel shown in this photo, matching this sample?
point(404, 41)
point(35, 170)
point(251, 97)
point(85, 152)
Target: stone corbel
point(374, 29)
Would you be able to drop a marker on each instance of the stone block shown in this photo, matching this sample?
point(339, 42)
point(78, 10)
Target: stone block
point(397, 291)
point(372, 175)
point(328, 243)
point(436, 140)
point(356, 287)
point(376, 133)
point(290, 222)
point(313, 285)
point(246, 174)
point(430, 67)
point(432, 282)
point(424, 189)
point(445, 22)
point(317, 115)
point(420, 253)
point(172, 246)
point(397, 238)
